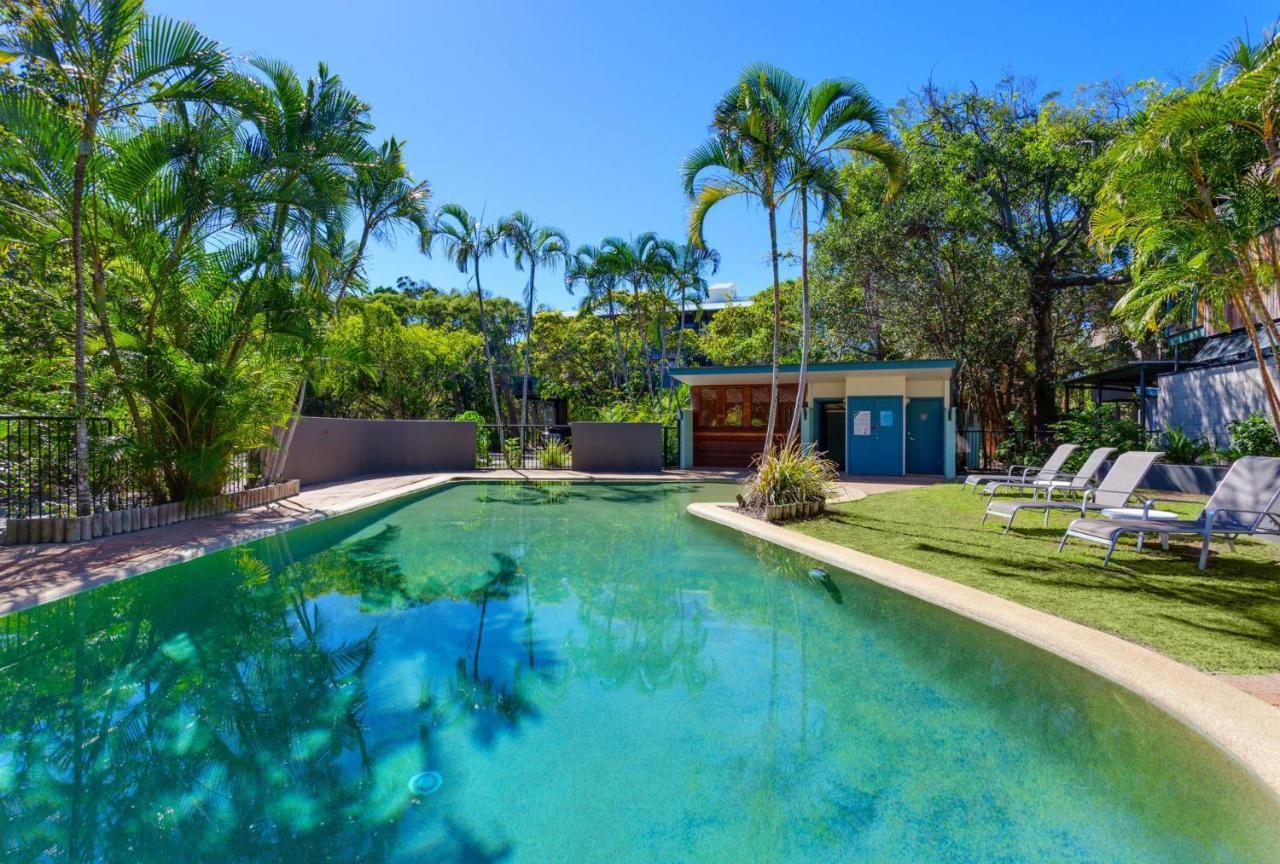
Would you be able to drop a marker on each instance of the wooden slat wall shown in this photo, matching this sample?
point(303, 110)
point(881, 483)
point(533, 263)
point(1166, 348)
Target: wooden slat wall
point(718, 444)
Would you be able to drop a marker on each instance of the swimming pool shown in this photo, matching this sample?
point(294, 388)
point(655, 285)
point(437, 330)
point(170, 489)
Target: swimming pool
point(557, 672)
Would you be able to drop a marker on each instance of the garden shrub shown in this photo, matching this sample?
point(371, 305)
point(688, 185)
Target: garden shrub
point(513, 452)
point(1181, 449)
point(790, 476)
point(482, 434)
point(1253, 436)
point(1097, 426)
point(555, 454)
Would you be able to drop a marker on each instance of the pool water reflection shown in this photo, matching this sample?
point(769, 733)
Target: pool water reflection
point(555, 672)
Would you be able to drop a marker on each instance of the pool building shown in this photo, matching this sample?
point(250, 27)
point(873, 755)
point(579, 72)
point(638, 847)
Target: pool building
point(877, 418)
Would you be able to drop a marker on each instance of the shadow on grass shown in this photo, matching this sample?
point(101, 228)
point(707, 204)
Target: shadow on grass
point(1226, 617)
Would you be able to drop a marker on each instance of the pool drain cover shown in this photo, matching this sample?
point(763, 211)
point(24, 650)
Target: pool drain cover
point(425, 782)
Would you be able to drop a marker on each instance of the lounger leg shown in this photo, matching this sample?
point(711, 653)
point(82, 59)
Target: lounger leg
point(1204, 554)
point(1231, 542)
point(1009, 524)
point(985, 514)
point(1063, 544)
point(1139, 541)
point(1046, 517)
point(1164, 542)
point(1110, 550)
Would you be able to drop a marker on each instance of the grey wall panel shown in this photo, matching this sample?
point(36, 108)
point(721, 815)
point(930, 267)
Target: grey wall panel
point(326, 449)
point(617, 447)
point(1204, 401)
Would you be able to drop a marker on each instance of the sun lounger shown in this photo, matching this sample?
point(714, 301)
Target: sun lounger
point(1115, 490)
point(1246, 503)
point(1052, 465)
point(1061, 482)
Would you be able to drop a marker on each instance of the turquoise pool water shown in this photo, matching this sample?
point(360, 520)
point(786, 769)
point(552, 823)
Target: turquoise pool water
point(562, 673)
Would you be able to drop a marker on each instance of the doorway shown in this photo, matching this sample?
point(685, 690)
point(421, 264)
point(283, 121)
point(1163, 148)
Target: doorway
point(831, 430)
point(875, 435)
point(924, 436)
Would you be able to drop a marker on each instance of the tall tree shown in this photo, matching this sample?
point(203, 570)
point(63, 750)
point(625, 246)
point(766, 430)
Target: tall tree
point(1191, 196)
point(833, 120)
point(644, 262)
point(386, 198)
point(592, 267)
point(99, 62)
point(1029, 161)
point(690, 268)
point(745, 157)
point(466, 242)
point(307, 137)
point(532, 246)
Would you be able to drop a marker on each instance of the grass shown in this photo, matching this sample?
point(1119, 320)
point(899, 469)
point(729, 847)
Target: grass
point(1225, 619)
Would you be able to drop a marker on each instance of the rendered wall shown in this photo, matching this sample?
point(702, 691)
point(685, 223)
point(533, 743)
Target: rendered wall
point(1204, 401)
point(326, 449)
point(617, 447)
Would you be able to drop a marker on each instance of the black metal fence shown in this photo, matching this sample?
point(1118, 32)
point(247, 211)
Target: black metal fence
point(986, 449)
point(523, 448)
point(38, 469)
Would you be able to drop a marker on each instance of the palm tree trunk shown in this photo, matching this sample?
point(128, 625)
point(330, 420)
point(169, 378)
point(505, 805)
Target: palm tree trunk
point(777, 330)
point(680, 332)
point(350, 275)
point(792, 433)
point(488, 360)
point(642, 336)
point(1252, 293)
point(275, 473)
point(617, 337)
point(528, 344)
point(113, 358)
point(1268, 384)
point(84, 496)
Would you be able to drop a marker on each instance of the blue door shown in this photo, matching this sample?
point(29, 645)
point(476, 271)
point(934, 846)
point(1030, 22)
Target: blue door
point(924, 436)
point(875, 434)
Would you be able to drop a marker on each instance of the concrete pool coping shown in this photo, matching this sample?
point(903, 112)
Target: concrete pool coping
point(1244, 727)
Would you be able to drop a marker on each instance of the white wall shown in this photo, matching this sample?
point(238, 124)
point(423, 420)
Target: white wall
point(875, 385)
point(926, 388)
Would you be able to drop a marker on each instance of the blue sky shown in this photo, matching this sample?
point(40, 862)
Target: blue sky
point(581, 112)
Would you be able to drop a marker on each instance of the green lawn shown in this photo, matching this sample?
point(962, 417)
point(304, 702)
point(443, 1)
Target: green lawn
point(1225, 619)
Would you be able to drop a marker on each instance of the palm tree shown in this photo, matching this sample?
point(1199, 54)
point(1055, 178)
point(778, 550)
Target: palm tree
point(100, 61)
point(387, 198)
point(1191, 194)
point(745, 157)
point(644, 262)
point(596, 271)
point(308, 139)
point(532, 245)
point(834, 119)
point(466, 242)
point(692, 265)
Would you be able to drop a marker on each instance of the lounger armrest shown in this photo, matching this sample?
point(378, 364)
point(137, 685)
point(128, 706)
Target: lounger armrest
point(1148, 504)
point(1025, 470)
point(1210, 516)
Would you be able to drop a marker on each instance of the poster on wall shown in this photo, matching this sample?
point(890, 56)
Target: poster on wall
point(886, 418)
point(862, 423)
